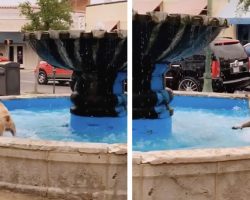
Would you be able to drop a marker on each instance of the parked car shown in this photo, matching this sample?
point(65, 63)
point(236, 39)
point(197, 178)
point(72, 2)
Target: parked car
point(229, 70)
point(3, 59)
point(45, 73)
point(247, 49)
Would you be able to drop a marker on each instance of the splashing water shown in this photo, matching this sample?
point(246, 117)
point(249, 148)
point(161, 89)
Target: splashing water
point(201, 128)
point(54, 125)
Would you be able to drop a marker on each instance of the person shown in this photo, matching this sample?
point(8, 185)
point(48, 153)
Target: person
point(244, 125)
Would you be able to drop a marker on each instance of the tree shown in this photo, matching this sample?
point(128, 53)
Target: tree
point(51, 14)
point(244, 4)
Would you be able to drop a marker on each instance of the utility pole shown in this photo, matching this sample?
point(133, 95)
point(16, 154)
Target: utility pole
point(207, 85)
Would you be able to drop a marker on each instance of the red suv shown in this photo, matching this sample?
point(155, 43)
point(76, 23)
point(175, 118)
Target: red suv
point(45, 73)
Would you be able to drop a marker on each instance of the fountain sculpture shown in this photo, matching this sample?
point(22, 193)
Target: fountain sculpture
point(99, 59)
point(159, 39)
point(99, 62)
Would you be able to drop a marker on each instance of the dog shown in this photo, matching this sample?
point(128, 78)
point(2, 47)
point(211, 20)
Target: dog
point(6, 122)
point(244, 125)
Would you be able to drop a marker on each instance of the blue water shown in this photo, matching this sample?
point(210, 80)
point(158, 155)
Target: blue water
point(49, 119)
point(197, 123)
point(201, 123)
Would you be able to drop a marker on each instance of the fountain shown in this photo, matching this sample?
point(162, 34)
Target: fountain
point(159, 39)
point(72, 168)
point(99, 62)
point(210, 172)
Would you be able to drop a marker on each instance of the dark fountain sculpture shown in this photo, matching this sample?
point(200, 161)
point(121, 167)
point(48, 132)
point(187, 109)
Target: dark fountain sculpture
point(99, 63)
point(159, 39)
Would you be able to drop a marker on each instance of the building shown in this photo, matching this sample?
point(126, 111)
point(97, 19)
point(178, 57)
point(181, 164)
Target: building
point(239, 22)
point(108, 16)
point(11, 23)
point(78, 16)
point(10, 26)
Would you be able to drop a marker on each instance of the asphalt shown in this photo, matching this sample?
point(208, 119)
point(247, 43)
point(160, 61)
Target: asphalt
point(28, 85)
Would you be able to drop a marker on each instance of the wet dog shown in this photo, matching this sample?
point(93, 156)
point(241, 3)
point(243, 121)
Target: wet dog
point(6, 122)
point(244, 125)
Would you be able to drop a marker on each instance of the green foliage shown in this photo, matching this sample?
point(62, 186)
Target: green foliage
point(50, 14)
point(244, 4)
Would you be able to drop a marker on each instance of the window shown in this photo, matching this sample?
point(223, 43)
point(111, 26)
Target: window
point(243, 32)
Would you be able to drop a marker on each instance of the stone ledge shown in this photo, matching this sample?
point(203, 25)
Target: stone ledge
point(193, 155)
point(59, 146)
point(36, 96)
point(211, 94)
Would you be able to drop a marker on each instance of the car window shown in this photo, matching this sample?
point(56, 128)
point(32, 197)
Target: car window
point(229, 51)
point(247, 48)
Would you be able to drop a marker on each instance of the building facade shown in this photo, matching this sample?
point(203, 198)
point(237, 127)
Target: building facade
point(11, 23)
point(10, 30)
point(239, 21)
point(108, 16)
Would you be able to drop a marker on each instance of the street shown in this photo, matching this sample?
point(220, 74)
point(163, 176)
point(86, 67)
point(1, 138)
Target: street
point(28, 85)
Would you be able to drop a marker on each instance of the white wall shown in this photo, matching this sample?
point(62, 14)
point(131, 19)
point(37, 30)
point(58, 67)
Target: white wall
point(99, 14)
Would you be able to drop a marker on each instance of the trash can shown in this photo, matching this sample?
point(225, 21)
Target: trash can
point(9, 78)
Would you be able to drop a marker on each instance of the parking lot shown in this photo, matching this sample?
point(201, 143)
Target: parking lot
point(28, 85)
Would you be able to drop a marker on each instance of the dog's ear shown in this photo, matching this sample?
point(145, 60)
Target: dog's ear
point(7, 118)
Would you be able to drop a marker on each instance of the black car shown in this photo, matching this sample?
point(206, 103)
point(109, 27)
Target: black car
point(229, 70)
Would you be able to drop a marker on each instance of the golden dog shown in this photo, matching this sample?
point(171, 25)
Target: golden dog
point(6, 122)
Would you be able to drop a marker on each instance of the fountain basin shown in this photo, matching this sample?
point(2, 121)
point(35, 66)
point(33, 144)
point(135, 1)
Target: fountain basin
point(193, 174)
point(64, 170)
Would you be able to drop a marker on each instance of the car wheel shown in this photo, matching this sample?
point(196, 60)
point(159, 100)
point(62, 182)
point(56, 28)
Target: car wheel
point(42, 78)
point(189, 84)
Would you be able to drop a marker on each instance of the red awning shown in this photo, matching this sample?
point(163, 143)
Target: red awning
point(192, 7)
point(143, 6)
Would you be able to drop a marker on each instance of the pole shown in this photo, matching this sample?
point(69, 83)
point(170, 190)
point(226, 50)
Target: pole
point(36, 74)
point(207, 85)
point(54, 82)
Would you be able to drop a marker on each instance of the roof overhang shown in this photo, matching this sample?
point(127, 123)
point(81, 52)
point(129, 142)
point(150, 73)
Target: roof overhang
point(16, 37)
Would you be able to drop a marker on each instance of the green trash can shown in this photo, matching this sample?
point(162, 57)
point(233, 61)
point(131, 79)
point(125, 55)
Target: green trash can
point(9, 78)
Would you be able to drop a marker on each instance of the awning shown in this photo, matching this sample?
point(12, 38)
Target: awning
point(191, 7)
point(234, 15)
point(108, 25)
point(16, 37)
point(144, 6)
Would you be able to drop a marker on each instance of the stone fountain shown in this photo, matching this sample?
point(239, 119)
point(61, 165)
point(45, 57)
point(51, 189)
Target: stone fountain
point(158, 40)
point(99, 63)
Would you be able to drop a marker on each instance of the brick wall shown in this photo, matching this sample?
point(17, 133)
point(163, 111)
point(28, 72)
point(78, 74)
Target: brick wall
point(79, 5)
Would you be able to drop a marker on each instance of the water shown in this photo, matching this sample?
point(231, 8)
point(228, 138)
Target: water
point(49, 119)
point(196, 123)
point(199, 124)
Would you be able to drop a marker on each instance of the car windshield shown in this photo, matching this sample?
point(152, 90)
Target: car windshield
point(229, 51)
point(247, 48)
